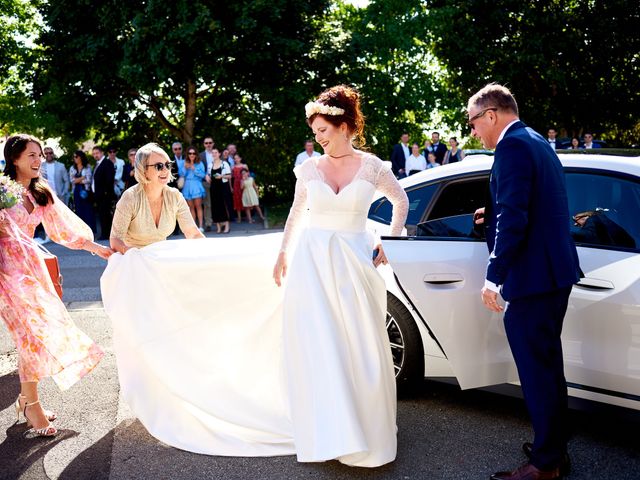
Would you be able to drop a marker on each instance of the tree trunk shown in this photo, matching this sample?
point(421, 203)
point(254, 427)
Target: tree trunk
point(189, 112)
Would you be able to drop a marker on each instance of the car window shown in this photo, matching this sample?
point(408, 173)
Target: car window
point(604, 210)
point(460, 197)
point(419, 198)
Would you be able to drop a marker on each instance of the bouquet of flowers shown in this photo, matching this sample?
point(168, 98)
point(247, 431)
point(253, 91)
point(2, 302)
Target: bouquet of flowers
point(10, 192)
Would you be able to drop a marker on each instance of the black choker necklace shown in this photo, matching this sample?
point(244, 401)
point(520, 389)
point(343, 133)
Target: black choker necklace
point(340, 156)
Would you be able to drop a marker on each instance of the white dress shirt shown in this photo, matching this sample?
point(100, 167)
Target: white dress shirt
point(302, 156)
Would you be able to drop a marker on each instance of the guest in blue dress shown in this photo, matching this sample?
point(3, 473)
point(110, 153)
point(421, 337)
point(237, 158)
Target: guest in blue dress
point(81, 177)
point(193, 171)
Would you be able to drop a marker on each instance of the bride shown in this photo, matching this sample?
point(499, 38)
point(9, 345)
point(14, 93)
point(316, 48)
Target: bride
point(339, 370)
point(259, 370)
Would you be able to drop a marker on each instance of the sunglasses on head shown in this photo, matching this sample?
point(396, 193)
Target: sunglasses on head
point(160, 166)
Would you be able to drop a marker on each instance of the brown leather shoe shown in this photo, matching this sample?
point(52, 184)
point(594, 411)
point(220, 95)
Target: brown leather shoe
point(528, 472)
point(565, 466)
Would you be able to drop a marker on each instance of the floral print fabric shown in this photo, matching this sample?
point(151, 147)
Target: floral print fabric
point(48, 342)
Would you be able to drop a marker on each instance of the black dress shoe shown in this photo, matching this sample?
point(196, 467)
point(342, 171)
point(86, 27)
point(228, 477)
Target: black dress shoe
point(528, 472)
point(565, 466)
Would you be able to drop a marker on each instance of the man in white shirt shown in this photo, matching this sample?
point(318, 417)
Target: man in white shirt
point(56, 174)
point(308, 152)
point(551, 138)
point(207, 158)
point(118, 163)
point(588, 141)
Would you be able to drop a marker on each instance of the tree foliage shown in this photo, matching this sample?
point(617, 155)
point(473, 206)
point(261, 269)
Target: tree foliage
point(572, 64)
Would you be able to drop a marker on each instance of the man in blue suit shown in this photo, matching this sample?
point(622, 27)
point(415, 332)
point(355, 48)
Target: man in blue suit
point(533, 264)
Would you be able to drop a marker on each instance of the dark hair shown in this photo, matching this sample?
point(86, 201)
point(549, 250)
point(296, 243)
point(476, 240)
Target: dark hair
point(495, 95)
point(347, 98)
point(97, 147)
point(194, 149)
point(454, 139)
point(415, 144)
point(16, 144)
point(83, 157)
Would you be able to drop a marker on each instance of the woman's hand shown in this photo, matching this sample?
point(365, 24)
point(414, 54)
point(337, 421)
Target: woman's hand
point(378, 256)
point(280, 268)
point(104, 252)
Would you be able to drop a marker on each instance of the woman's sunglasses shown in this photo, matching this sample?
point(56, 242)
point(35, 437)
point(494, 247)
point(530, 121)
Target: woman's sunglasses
point(160, 166)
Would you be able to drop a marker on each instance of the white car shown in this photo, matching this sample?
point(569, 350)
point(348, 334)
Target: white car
point(436, 322)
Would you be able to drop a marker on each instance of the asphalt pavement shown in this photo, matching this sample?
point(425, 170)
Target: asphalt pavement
point(443, 432)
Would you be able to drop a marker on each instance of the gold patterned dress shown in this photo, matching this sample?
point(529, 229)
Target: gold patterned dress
point(48, 342)
point(133, 221)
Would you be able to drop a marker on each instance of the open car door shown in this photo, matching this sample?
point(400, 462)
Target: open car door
point(442, 274)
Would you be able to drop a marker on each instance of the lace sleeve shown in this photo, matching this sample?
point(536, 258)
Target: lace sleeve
point(389, 186)
point(295, 214)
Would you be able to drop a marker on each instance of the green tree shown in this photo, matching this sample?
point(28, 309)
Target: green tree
point(571, 64)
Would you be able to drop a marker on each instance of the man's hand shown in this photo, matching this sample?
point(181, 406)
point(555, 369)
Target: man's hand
point(490, 300)
point(478, 216)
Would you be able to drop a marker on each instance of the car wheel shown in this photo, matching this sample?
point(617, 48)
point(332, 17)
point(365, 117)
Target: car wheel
point(406, 344)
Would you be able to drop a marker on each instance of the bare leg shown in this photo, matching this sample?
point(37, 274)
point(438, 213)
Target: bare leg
point(226, 227)
point(260, 212)
point(248, 212)
point(199, 212)
point(218, 229)
point(34, 413)
point(239, 219)
point(192, 209)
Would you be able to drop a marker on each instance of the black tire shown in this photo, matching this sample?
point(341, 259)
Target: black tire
point(406, 345)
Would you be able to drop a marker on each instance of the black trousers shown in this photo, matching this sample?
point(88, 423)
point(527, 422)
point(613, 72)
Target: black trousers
point(533, 325)
point(105, 215)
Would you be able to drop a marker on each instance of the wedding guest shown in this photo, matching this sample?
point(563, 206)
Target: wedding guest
point(399, 155)
point(177, 160)
point(147, 212)
point(194, 173)
point(453, 155)
point(575, 144)
point(428, 147)
point(80, 174)
point(431, 160)
point(236, 175)
point(221, 200)
point(440, 149)
point(48, 342)
point(415, 162)
point(233, 151)
point(533, 264)
point(118, 163)
point(128, 173)
point(339, 372)
point(225, 157)
point(55, 173)
point(308, 152)
point(102, 186)
point(206, 157)
point(250, 198)
point(588, 142)
point(551, 138)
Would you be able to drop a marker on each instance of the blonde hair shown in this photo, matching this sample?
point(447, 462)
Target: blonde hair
point(142, 161)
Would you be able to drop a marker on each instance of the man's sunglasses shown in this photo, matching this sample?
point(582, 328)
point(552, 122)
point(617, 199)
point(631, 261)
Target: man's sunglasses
point(160, 166)
point(479, 115)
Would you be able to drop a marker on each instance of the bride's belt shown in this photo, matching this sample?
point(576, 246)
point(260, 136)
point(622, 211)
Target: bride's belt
point(342, 221)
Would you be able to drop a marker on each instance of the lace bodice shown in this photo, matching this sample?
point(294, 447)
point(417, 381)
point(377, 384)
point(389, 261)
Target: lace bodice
point(347, 209)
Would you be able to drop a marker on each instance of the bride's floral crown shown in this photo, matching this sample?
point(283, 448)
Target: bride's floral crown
point(312, 108)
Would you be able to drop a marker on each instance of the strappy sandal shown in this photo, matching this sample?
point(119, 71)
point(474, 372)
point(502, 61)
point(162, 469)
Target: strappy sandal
point(48, 431)
point(51, 416)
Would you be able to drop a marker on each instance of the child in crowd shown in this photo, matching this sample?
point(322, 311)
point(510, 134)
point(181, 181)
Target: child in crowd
point(250, 196)
point(431, 160)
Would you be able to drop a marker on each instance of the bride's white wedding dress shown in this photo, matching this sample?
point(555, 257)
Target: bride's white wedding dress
point(213, 359)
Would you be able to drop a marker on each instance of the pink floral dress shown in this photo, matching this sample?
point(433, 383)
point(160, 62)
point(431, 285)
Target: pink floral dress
point(48, 342)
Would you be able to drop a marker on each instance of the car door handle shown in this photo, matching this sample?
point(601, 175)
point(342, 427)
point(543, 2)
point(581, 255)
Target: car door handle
point(595, 284)
point(442, 278)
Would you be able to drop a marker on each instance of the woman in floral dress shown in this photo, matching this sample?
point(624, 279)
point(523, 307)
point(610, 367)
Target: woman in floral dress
point(48, 342)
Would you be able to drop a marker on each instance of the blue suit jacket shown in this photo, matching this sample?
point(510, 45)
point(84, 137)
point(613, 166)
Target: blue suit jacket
point(397, 158)
point(528, 231)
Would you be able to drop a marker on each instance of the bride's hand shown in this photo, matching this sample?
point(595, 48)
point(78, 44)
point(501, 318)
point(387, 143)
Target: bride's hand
point(280, 269)
point(380, 257)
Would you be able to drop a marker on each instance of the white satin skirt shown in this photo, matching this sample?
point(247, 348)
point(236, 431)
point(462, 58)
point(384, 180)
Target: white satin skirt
point(211, 360)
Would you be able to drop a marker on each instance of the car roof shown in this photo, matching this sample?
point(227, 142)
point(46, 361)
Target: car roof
point(483, 162)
